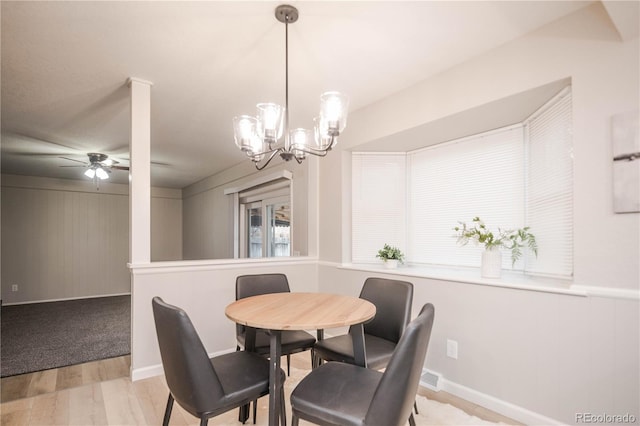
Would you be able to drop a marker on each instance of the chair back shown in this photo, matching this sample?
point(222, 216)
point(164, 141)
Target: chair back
point(393, 300)
point(253, 285)
point(191, 378)
point(395, 395)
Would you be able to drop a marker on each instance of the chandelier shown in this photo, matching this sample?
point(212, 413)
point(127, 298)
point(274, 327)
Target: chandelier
point(259, 137)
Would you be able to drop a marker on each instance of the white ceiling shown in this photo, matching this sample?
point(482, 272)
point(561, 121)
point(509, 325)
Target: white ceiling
point(65, 67)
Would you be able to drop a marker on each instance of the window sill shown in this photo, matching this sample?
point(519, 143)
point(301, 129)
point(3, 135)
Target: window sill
point(513, 280)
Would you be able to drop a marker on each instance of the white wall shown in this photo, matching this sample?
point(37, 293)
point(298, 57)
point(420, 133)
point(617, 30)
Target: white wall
point(63, 239)
point(208, 214)
point(549, 355)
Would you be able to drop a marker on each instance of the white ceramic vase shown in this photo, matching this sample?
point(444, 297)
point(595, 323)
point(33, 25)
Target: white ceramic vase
point(491, 263)
point(391, 263)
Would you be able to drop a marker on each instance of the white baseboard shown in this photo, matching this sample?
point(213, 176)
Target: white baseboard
point(495, 404)
point(157, 370)
point(146, 372)
point(64, 299)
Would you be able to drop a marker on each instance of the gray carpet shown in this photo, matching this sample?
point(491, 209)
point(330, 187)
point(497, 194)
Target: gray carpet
point(41, 336)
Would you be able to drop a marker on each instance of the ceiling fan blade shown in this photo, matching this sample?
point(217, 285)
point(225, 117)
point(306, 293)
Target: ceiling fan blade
point(108, 162)
point(37, 154)
point(119, 167)
point(21, 143)
point(86, 165)
point(72, 159)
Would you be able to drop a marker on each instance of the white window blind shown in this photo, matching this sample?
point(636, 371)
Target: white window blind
point(480, 176)
point(510, 178)
point(550, 187)
point(378, 204)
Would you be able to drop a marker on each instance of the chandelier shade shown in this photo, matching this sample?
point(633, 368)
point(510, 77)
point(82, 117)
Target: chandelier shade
point(333, 111)
point(270, 119)
point(259, 136)
point(300, 138)
point(246, 134)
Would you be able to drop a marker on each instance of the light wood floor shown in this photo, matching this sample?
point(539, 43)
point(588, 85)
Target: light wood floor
point(101, 393)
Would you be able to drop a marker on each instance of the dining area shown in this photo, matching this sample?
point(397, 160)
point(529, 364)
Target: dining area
point(345, 384)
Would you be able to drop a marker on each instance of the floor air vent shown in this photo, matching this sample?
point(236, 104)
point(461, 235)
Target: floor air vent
point(430, 380)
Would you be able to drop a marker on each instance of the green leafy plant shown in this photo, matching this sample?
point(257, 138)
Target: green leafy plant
point(511, 239)
point(390, 253)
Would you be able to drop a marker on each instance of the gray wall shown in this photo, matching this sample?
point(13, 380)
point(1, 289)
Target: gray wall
point(208, 214)
point(63, 239)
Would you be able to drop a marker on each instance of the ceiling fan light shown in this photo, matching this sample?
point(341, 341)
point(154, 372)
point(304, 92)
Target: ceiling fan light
point(90, 173)
point(101, 173)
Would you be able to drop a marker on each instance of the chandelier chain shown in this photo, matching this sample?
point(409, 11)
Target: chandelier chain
point(286, 81)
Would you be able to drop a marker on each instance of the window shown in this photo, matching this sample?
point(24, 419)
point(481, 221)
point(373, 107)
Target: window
point(510, 177)
point(549, 197)
point(377, 177)
point(265, 221)
point(263, 216)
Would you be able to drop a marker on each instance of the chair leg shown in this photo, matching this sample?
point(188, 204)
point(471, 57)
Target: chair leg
point(288, 365)
point(255, 410)
point(204, 421)
point(415, 406)
point(167, 411)
point(243, 413)
point(283, 408)
point(412, 421)
point(294, 420)
point(316, 361)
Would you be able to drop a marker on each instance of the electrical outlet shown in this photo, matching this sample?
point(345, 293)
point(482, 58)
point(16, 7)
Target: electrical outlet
point(14, 287)
point(452, 349)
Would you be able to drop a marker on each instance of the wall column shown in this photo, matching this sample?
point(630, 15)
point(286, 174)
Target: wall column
point(140, 172)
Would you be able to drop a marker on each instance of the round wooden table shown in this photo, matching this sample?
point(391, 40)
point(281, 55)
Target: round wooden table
point(276, 312)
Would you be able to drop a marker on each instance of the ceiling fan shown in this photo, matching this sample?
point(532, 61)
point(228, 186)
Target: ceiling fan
point(98, 167)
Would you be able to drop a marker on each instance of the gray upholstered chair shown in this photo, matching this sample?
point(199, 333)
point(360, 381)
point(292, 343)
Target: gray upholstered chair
point(393, 300)
point(348, 395)
point(293, 341)
point(205, 387)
